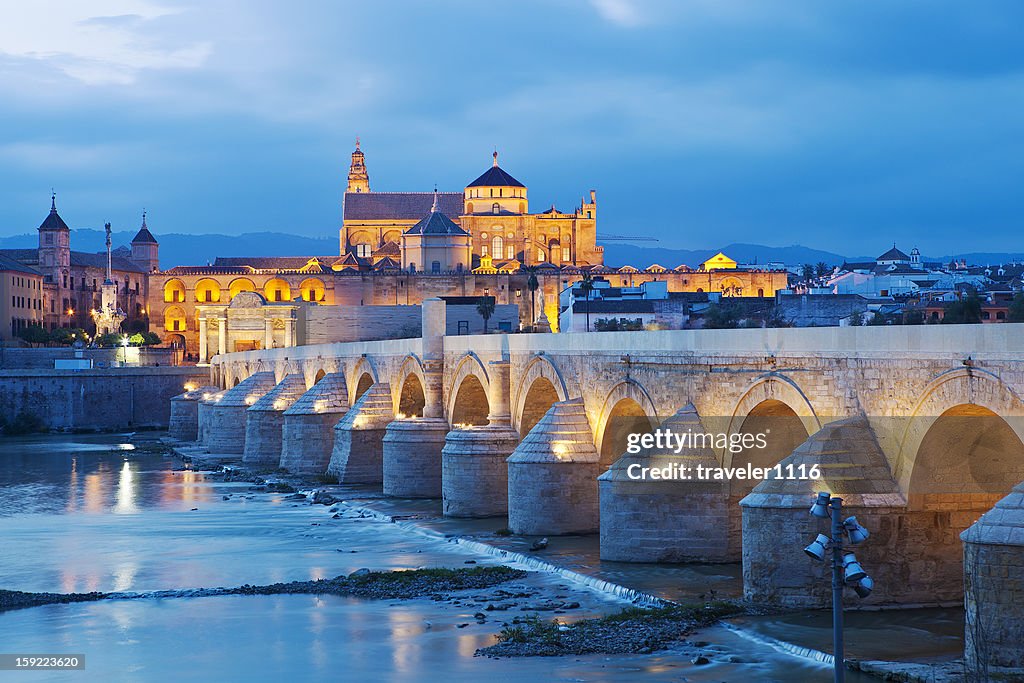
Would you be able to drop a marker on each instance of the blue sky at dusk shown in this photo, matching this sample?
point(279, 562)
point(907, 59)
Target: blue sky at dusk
point(839, 125)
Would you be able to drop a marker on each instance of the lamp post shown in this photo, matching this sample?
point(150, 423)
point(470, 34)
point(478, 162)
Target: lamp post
point(846, 570)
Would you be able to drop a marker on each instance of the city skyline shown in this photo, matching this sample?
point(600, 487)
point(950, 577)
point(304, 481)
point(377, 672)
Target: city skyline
point(831, 127)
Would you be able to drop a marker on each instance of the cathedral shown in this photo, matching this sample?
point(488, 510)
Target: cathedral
point(488, 227)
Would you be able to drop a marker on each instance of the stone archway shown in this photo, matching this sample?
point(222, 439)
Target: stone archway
point(541, 386)
point(762, 400)
point(362, 376)
point(960, 387)
point(627, 408)
point(409, 387)
point(466, 398)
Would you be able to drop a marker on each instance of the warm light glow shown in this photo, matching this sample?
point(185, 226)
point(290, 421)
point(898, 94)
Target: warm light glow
point(560, 450)
point(400, 416)
point(249, 400)
point(71, 311)
point(189, 386)
point(280, 404)
point(319, 406)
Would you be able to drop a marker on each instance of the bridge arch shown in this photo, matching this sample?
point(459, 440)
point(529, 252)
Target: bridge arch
point(960, 411)
point(409, 392)
point(467, 398)
point(773, 402)
point(540, 385)
point(361, 378)
point(627, 408)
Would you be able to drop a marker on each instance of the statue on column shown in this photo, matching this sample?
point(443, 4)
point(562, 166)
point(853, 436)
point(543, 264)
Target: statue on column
point(109, 317)
point(542, 324)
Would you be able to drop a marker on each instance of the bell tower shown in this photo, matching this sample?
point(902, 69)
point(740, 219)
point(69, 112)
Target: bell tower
point(358, 180)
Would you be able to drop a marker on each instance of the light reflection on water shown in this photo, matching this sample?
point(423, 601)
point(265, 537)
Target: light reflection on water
point(93, 515)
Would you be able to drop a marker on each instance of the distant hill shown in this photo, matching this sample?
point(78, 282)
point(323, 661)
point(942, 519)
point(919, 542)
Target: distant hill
point(191, 250)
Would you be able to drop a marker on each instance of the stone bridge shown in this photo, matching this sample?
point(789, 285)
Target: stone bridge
point(919, 428)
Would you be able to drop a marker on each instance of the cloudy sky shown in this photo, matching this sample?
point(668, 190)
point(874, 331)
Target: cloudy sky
point(839, 125)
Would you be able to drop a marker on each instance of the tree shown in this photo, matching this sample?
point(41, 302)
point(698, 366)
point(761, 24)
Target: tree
point(857, 319)
point(721, 317)
point(808, 272)
point(34, 334)
point(966, 310)
point(822, 269)
point(587, 286)
point(137, 339)
point(532, 284)
point(485, 307)
point(109, 339)
point(1016, 314)
point(153, 339)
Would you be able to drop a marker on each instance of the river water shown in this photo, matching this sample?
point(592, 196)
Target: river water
point(84, 513)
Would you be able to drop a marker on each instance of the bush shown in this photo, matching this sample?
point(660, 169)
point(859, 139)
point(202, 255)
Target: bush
point(35, 334)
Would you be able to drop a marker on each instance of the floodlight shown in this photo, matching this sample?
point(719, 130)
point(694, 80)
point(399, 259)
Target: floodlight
point(820, 506)
point(864, 587)
point(853, 571)
point(818, 547)
point(855, 531)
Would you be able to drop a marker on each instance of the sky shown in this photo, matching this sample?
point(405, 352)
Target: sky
point(837, 125)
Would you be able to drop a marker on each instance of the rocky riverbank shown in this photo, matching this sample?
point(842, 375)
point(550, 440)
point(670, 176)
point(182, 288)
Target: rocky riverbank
point(398, 585)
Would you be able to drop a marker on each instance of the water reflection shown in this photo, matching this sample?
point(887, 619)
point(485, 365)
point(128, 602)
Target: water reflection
point(126, 491)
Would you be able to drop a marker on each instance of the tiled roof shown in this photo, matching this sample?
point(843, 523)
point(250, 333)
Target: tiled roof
point(271, 262)
point(10, 264)
point(385, 206)
point(24, 255)
point(436, 223)
point(54, 221)
point(495, 177)
point(144, 236)
point(893, 254)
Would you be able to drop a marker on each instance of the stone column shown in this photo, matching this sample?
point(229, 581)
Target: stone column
point(307, 436)
point(225, 427)
point(222, 341)
point(474, 475)
point(203, 327)
point(994, 593)
point(289, 332)
point(268, 333)
point(552, 475)
point(264, 421)
point(358, 456)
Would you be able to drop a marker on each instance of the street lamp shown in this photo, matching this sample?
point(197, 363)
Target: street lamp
point(846, 570)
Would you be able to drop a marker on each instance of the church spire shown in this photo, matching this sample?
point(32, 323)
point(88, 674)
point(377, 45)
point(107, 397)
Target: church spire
point(53, 201)
point(358, 179)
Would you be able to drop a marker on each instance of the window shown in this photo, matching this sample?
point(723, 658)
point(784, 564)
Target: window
point(760, 292)
point(412, 267)
point(510, 252)
point(363, 250)
point(498, 246)
point(495, 208)
point(463, 327)
point(49, 238)
point(565, 254)
point(435, 267)
point(483, 250)
point(458, 268)
point(540, 256)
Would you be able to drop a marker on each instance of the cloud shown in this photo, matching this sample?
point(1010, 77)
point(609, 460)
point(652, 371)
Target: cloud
point(624, 13)
point(97, 43)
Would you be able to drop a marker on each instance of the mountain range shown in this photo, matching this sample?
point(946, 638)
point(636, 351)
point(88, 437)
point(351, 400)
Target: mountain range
point(181, 249)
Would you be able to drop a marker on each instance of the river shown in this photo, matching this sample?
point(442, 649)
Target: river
point(85, 513)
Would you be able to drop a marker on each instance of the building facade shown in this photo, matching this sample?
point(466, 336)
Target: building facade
point(21, 297)
point(73, 280)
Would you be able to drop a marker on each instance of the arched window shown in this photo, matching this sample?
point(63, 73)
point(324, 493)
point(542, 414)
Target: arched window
point(760, 292)
point(540, 256)
point(495, 208)
point(510, 252)
point(497, 246)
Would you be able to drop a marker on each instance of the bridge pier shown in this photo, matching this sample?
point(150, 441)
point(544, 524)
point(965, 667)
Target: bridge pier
point(225, 424)
point(474, 474)
point(307, 434)
point(264, 421)
point(203, 412)
point(666, 520)
point(777, 525)
point(358, 455)
point(413, 445)
point(184, 422)
point(552, 475)
point(994, 591)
